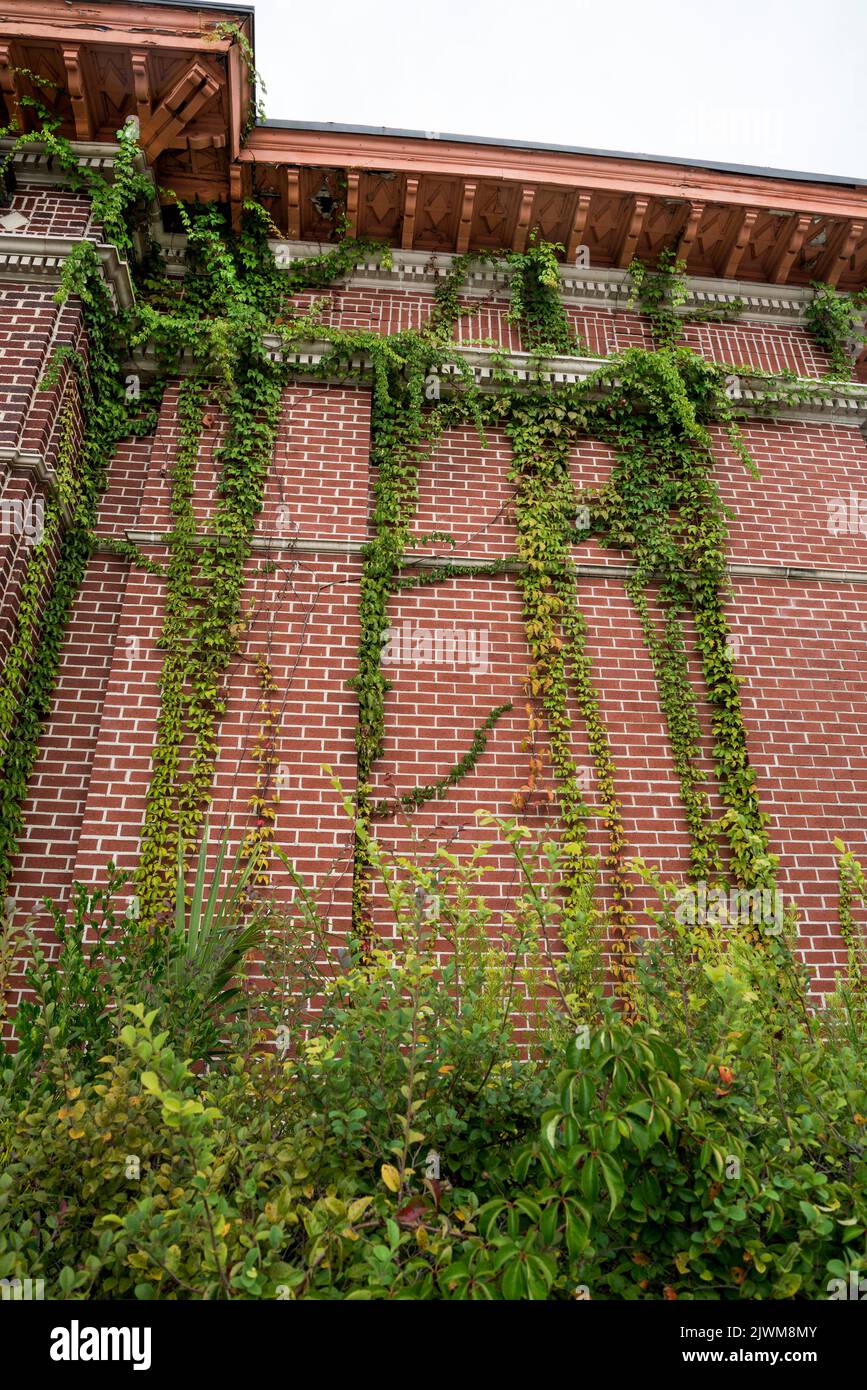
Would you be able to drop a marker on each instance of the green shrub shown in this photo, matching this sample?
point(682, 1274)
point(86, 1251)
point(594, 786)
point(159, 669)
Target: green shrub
point(136, 1184)
point(713, 1148)
point(189, 969)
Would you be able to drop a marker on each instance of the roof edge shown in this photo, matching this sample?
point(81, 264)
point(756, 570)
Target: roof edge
point(396, 132)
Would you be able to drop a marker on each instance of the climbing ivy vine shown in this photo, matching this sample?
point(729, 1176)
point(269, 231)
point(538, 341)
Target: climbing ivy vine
point(662, 505)
point(535, 305)
point(853, 892)
point(229, 331)
point(229, 29)
point(540, 429)
point(836, 321)
point(660, 293)
point(90, 389)
point(234, 298)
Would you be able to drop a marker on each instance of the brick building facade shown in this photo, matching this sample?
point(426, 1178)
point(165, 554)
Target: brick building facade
point(798, 603)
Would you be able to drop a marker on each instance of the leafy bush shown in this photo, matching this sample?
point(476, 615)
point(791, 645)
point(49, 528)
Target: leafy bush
point(716, 1149)
point(401, 1145)
point(189, 969)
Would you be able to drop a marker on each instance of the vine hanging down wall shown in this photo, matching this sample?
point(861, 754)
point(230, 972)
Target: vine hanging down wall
point(230, 327)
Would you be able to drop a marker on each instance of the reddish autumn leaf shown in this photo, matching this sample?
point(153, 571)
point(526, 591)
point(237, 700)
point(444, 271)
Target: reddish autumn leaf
point(726, 1075)
point(413, 1212)
point(435, 1188)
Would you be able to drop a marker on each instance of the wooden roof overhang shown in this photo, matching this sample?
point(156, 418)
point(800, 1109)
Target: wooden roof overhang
point(191, 91)
point(451, 195)
point(96, 64)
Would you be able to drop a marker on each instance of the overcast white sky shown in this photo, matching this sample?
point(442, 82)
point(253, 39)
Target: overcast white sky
point(776, 83)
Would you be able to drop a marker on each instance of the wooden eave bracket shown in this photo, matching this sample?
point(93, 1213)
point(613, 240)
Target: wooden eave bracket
point(739, 243)
point(689, 232)
point(579, 223)
point(525, 216)
point(410, 200)
point(81, 112)
point(9, 86)
point(631, 232)
point(841, 253)
point(468, 199)
point(789, 248)
point(353, 183)
point(165, 125)
point(293, 204)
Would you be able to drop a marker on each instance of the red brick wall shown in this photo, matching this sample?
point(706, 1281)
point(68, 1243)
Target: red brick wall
point(604, 331)
point(51, 211)
point(801, 641)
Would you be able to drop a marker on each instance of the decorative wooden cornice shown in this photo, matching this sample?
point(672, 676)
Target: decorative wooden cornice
point(166, 64)
point(724, 223)
point(185, 79)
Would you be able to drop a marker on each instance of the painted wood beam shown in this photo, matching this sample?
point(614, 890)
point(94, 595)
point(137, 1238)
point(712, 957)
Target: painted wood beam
point(193, 90)
point(631, 232)
point(114, 37)
point(839, 258)
point(410, 199)
point(465, 225)
point(791, 241)
point(739, 244)
point(579, 225)
point(689, 231)
point(525, 214)
point(72, 60)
